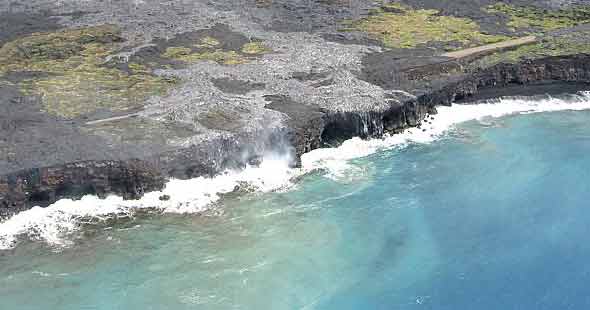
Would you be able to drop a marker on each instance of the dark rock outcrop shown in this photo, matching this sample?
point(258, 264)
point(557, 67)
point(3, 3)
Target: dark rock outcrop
point(341, 126)
point(42, 186)
point(308, 127)
point(574, 68)
point(305, 123)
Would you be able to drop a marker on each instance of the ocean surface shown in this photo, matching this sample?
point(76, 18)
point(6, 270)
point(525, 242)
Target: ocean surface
point(477, 212)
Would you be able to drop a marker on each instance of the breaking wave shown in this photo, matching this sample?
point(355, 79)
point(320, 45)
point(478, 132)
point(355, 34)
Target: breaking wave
point(54, 223)
point(335, 160)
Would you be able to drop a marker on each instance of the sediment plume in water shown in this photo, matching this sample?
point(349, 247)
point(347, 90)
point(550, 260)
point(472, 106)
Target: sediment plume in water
point(54, 223)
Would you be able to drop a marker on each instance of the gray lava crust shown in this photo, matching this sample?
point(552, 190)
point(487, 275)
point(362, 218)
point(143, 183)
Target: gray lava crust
point(236, 80)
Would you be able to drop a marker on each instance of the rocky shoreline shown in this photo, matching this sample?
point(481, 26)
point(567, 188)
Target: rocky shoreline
point(238, 100)
point(130, 179)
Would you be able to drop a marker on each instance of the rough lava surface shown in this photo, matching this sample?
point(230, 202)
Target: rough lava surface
point(117, 96)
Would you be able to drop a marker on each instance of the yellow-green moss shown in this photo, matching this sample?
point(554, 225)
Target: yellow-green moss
point(254, 48)
point(211, 49)
point(541, 19)
point(220, 56)
point(208, 42)
point(56, 51)
point(223, 57)
point(86, 89)
point(77, 83)
point(138, 68)
point(56, 45)
point(177, 52)
point(400, 26)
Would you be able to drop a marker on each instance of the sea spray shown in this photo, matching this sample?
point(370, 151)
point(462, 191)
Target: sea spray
point(335, 159)
point(52, 224)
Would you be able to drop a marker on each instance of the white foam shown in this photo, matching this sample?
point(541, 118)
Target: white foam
point(335, 159)
point(51, 224)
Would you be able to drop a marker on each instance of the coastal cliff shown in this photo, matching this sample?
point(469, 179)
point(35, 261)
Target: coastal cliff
point(98, 105)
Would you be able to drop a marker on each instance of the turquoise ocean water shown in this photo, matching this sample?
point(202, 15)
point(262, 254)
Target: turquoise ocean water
point(494, 215)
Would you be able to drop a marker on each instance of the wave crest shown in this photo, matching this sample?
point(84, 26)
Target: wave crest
point(54, 223)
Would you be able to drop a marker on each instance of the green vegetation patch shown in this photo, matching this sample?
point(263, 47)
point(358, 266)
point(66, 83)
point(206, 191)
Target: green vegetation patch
point(400, 26)
point(529, 17)
point(208, 42)
point(185, 54)
point(254, 48)
point(67, 69)
point(550, 46)
point(209, 52)
point(76, 82)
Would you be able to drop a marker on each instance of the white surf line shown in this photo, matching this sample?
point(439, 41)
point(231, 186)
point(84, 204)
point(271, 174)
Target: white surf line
point(53, 223)
point(336, 159)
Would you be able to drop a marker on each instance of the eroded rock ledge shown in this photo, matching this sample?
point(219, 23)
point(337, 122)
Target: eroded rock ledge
point(341, 126)
point(308, 128)
point(120, 96)
point(42, 186)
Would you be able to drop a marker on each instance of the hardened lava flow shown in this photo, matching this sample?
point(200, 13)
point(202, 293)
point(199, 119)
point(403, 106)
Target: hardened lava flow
point(118, 97)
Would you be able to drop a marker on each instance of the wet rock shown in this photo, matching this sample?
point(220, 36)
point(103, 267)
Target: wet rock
point(255, 161)
point(323, 86)
point(43, 186)
point(306, 123)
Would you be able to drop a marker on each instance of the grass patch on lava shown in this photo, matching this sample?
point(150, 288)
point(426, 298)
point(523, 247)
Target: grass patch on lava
point(75, 81)
point(401, 26)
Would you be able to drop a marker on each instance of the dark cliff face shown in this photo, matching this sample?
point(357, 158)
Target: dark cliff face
point(341, 126)
point(158, 91)
point(560, 68)
point(305, 123)
point(42, 186)
point(308, 128)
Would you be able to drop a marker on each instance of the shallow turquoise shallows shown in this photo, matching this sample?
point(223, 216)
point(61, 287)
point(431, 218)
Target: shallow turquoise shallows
point(493, 216)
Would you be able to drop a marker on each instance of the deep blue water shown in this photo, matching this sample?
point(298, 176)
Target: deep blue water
point(489, 217)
